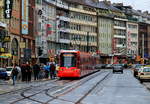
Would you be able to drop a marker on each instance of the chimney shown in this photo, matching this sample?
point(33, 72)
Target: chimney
point(139, 11)
point(107, 2)
point(145, 12)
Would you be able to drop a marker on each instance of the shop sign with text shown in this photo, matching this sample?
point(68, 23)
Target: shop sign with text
point(8, 8)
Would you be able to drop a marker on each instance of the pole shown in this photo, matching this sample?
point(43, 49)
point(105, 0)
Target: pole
point(143, 46)
point(87, 42)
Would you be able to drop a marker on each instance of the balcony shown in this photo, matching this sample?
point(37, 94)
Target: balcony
point(67, 41)
point(120, 45)
point(82, 11)
point(61, 5)
point(63, 18)
point(82, 32)
point(83, 22)
point(63, 29)
point(134, 40)
point(119, 36)
point(119, 27)
point(132, 19)
point(51, 1)
point(3, 24)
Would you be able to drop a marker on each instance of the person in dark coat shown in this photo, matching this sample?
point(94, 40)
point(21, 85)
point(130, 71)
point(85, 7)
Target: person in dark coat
point(52, 70)
point(14, 74)
point(24, 72)
point(29, 72)
point(36, 70)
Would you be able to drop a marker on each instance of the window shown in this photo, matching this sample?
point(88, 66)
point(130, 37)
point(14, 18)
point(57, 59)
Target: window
point(38, 1)
point(68, 60)
point(39, 26)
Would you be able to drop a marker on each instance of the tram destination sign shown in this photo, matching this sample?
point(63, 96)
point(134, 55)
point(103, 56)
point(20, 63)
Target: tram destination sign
point(8, 8)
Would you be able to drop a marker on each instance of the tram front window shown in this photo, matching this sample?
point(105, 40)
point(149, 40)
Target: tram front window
point(68, 60)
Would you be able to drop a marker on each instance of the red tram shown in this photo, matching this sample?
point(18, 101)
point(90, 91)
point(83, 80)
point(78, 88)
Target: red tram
point(74, 63)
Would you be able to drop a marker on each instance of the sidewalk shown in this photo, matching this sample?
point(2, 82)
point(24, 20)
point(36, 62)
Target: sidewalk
point(6, 86)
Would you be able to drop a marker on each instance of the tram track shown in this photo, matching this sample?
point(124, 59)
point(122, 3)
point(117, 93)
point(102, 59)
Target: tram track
point(54, 90)
point(79, 101)
point(78, 85)
point(22, 94)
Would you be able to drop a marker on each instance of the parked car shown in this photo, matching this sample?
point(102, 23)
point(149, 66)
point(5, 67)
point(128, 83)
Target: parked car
point(109, 66)
point(100, 66)
point(9, 70)
point(3, 73)
point(144, 74)
point(117, 68)
point(136, 69)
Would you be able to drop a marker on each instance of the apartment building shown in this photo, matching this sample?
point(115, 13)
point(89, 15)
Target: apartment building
point(77, 24)
point(49, 27)
point(143, 33)
point(132, 29)
point(4, 38)
point(132, 38)
point(14, 31)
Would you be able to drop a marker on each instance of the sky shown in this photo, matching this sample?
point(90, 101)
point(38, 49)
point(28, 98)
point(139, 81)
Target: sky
point(136, 4)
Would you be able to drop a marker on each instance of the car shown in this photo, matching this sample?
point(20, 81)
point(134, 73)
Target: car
point(3, 74)
point(117, 68)
point(144, 74)
point(100, 66)
point(108, 66)
point(9, 70)
point(136, 69)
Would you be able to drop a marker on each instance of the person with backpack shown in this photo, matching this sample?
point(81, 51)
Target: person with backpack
point(52, 70)
point(14, 74)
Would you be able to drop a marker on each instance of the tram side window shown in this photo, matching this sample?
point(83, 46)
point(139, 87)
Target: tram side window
point(68, 60)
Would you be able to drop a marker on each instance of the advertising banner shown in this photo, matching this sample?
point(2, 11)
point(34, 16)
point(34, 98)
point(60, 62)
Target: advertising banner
point(48, 29)
point(25, 16)
point(8, 8)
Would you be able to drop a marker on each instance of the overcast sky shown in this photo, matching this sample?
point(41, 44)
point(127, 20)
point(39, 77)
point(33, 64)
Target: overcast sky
point(137, 4)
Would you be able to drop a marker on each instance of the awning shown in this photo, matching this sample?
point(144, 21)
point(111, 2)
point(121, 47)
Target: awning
point(5, 55)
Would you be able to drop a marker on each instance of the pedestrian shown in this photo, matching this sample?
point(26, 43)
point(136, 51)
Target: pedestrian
point(29, 72)
point(36, 70)
point(52, 70)
point(47, 69)
point(14, 74)
point(19, 72)
point(24, 72)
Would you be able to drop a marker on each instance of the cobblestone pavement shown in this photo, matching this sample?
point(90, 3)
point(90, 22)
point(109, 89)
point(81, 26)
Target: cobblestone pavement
point(6, 86)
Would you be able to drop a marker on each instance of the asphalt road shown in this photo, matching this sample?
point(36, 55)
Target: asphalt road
point(120, 89)
point(103, 87)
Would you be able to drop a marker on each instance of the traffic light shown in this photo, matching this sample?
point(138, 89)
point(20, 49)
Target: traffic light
point(40, 51)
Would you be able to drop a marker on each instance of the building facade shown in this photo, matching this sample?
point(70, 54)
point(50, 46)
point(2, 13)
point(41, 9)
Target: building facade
point(14, 31)
point(77, 25)
point(4, 36)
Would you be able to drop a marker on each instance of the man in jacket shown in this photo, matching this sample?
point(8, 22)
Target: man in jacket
point(14, 74)
point(52, 70)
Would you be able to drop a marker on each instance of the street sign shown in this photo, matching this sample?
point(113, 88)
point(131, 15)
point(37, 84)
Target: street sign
point(22, 45)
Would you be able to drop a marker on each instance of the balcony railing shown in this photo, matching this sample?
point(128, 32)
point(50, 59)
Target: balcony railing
point(119, 36)
point(119, 27)
point(63, 18)
point(82, 11)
